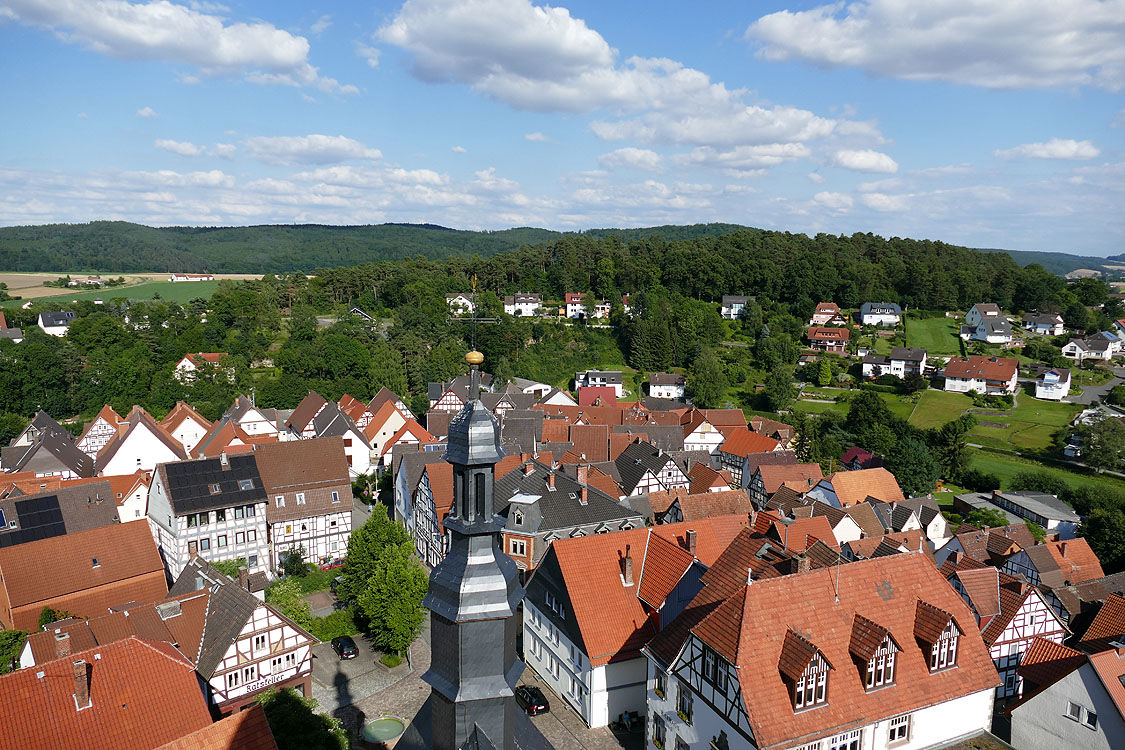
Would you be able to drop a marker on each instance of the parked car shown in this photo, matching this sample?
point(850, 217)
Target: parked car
point(532, 700)
point(345, 647)
point(336, 583)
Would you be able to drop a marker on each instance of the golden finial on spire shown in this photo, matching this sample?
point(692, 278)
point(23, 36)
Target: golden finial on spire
point(474, 357)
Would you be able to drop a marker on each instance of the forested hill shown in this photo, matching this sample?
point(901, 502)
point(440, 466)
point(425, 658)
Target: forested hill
point(117, 246)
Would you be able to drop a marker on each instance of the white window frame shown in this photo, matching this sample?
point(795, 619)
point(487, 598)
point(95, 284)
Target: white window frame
point(300, 498)
point(852, 740)
point(898, 730)
point(517, 547)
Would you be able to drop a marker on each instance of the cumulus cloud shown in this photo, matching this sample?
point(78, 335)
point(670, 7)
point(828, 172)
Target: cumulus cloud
point(369, 54)
point(308, 149)
point(183, 148)
point(169, 32)
point(632, 158)
point(541, 58)
point(834, 201)
point(1009, 44)
point(745, 157)
point(458, 149)
point(1056, 148)
point(536, 137)
point(816, 177)
point(864, 160)
point(146, 112)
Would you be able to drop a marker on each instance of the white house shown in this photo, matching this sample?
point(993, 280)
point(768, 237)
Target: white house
point(140, 444)
point(982, 311)
point(253, 420)
point(56, 323)
point(1047, 324)
point(175, 277)
point(1102, 346)
point(601, 379)
point(902, 362)
point(667, 385)
point(828, 314)
point(576, 306)
point(522, 304)
point(186, 425)
point(460, 304)
point(1052, 383)
point(880, 314)
point(99, 432)
point(992, 330)
point(189, 367)
point(975, 373)
point(732, 306)
point(873, 654)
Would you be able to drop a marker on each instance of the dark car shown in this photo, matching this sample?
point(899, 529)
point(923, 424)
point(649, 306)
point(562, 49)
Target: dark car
point(532, 700)
point(345, 647)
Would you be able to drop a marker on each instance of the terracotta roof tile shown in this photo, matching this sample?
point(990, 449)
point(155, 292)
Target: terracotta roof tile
point(989, 368)
point(244, 730)
point(1106, 627)
point(854, 487)
point(797, 534)
point(742, 442)
point(1110, 666)
point(707, 504)
point(774, 475)
point(664, 564)
point(867, 637)
point(982, 585)
point(1045, 662)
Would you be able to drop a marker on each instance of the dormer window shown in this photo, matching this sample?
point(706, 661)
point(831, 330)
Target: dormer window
point(943, 654)
point(874, 651)
point(805, 670)
point(812, 686)
point(517, 518)
point(881, 667)
point(937, 632)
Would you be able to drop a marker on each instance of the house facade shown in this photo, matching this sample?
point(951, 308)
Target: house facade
point(601, 379)
point(99, 432)
point(460, 304)
point(56, 323)
point(1052, 383)
point(828, 339)
point(139, 445)
point(902, 362)
point(828, 314)
point(667, 385)
point(522, 304)
point(732, 306)
point(982, 311)
point(1044, 323)
point(980, 374)
point(880, 314)
point(991, 330)
point(189, 368)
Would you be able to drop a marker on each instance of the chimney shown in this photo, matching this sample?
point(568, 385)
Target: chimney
point(804, 564)
point(628, 567)
point(551, 481)
point(691, 536)
point(749, 576)
point(81, 684)
point(1062, 549)
point(224, 460)
point(62, 644)
point(528, 468)
point(244, 578)
point(583, 478)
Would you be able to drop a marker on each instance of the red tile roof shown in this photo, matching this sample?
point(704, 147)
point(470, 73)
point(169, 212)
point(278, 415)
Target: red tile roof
point(199, 358)
point(826, 333)
point(853, 487)
point(244, 730)
point(1045, 662)
point(179, 413)
point(1110, 666)
point(977, 367)
point(142, 694)
point(774, 475)
point(597, 395)
point(798, 534)
point(1107, 626)
point(982, 586)
point(742, 442)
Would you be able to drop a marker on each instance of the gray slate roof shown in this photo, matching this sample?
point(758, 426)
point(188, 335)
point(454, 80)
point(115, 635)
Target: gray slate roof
point(59, 444)
point(51, 319)
point(558, 509)
point(636, 460)
point(43, 515)
point(880, 308)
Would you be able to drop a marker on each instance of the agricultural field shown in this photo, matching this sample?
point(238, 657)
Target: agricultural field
point(29, 286)
point(938, 336)
point(179, 292)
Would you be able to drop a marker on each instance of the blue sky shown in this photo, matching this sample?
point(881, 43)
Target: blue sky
point(990, 123)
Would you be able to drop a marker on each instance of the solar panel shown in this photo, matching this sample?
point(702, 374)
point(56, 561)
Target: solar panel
point(39, 518)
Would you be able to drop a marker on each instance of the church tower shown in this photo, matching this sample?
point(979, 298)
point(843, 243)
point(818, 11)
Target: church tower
point(473, 595)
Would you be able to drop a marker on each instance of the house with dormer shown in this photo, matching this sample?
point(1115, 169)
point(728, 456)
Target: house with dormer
point(253, 419)
point(877, 653)
point(522, 304)
point(828, 314)
point(979, 374)
point(738, 446)
point(1046, 324)
point(644, 468)
point(186, 425)
point(192, 365)
point(1051, 383)
point(880, 314)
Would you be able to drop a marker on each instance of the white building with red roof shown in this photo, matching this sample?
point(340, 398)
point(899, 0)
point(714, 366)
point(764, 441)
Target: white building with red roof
point(99, 432)
point(873, 654)
point(979, 374)
point(188, 368)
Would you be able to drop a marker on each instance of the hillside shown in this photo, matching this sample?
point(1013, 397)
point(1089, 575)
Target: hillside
point(1057, 263)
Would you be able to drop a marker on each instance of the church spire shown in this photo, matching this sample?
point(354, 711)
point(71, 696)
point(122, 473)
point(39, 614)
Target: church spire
point(473, 593)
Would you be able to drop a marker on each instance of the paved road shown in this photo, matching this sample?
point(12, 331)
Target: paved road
point(1091, 393)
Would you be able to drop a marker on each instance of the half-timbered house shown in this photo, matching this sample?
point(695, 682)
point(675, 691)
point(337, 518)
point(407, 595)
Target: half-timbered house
point(644, 468)
point(99, 432)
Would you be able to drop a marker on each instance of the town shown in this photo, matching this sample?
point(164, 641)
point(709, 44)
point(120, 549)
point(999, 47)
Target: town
point(674, 570)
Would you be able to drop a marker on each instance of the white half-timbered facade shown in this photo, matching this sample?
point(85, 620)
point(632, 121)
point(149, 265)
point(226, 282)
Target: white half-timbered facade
point(1033, 618)
point(100, 432)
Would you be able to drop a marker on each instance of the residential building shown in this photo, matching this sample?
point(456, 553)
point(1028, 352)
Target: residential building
point(356, 410)
point(701, 433)
point(738, 446)
point(732, 306)
point(576, 306)
point(877, 653)
point(991, 330)
point(50, 454)
point(828, 339)
point(601, 379)
point(451, 396)
point(192, 364)
point(15, 335)
point(99, 432)
point(129, 492)
point(245, 730)
point(644, 468)
point(982, 311)
point(856, 458)
point(56, 323)
point(240, 645)
point(768, 478)
point(685, 505)
point(1076, 700)
point(1102, 346)
point(186, 425)
point(133, 693)
point(667, 385)
point(828, 314)
point(779, 431)
point(300, 425)
point(980, 374)
point(880, 314)
point(1044, 323)
point(139, 445)
point(309, 498)
point(902, 362)
point(332, 422)
point(594, 602)
point(847, 488)
point(82, 573)
point(254, 420)
point(1051, 383)
point(54, 512)
point(191, 277)
point(460, 304)
point(225, 436)
point(995, 546)
point(1047, 510)
point(213, 507)
point(522, 304)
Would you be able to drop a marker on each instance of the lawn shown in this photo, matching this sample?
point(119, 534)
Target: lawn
point(938, 336)
point(1030, 425)
point(1007, 466)
point(935, 408)
point(183, 291)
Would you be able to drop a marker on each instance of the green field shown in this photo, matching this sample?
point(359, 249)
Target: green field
point(1030, 425)
point(938, 336)
point(897, 404)
point(183, 291)
point(935, 408)
point(1006, 467)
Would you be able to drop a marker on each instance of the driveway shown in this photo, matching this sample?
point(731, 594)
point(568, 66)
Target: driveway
point(1091, 393)
point(563, 728)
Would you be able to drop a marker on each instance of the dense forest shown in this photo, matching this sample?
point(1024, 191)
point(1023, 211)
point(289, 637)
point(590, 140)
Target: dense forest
point(116, 246)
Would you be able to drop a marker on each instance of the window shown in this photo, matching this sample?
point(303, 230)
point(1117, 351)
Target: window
point(944, 652)
point(238, 512)
point(335, 499)
point(245, 484)
point(275, 665)
point(680, 744)
point(846, 741)
point(222, 541)
point(288, 528)
point(660, 684)
point(517, 518)
point(1091, 720)
point(1073, 711)
point(1082, 715)
point(300, 498)
point(204, 544)
point(659, 731)
point(683, 702)
point(251, 535)
point(812, 688)
point(517, 547)
point(192, 546)
point(899, 729)
point(290, 660)
point(881, 666)
point(349, 460)
point(250, 673)
point(347, 442)
point(713, 671)
point(253, 561)
point(279, 501)
point(216, 489)
point(233, 679)
point(240, 537)
point(261, 642)
point(192, 520)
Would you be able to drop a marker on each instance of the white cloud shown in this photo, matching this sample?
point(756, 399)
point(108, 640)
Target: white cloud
point(864, 160)
point(308, 149)
point(321, 25)
point(885, 201)
point(165, 31)
point(816, 177)
point(536, 137)
point(147, 112)
point(745, 157)
point(369, 54)
point(1056, 148)
point(834, 201)
point(458, 149)
point(224, 150)
point(632, 158)
point(83, 116)
point(183, 148)
point(998, 44)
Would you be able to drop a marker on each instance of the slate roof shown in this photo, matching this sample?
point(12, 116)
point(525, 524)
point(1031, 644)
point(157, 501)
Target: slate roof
point(190, 484)
point(1042, 503)
point(142, 694)
point(59, 444)
point(309, 407)
point(894, 516)
point(907, 354)
point(53, 319)
point(559, 510)
point(1046, 319)
point(333, 422)
point(65, 510)
point(637, 459)
point(880, 308)
point(1076, 597)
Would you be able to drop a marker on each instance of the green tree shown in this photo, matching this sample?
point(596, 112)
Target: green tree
point(296, 725)
point(11, 644)
point(986, 518)
point(913, 466)
point(707, 384)
point(1105, 444)
point(824, 373)
point(229, 568)
point(392, 601)
point(779, 391)
point(293, 563)
point(867, 408)
point(48, 615)
point(365, 548)
point(1104, 529)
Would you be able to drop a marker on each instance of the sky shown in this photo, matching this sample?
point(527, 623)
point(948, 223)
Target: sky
point(988, 123)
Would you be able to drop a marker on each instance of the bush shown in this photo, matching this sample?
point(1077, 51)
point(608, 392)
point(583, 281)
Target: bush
point(391, 660)
point(293, 563)
point(11, 644)
point(983, 401)
point(978, 481)
point(229, 568)
point(334, 625)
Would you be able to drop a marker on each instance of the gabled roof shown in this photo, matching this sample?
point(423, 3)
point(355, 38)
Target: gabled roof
point(386, 394)
point(982, 586)
point(410, 427)
point(709, 504)
point(854, 487)
point(309, 407)
point(179, 413)
point(241, 730)
point(138, 420)
point(774, 475)
point(142, 694)
point(1046, 662)
point(637, 459)
point(559, 510)
point(332, 422)
point(1108, 626)
point(880, 308)
point(703, 478)
point(191, 484)
point(979, 367)
point(742, 442)
point(316, 467)
point(52, 513)
point(1064, 562)
point(200, 359)
point(58, 444)
point(226, 436)
point(828, 333)
point(907, 354)
point(798, 534)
